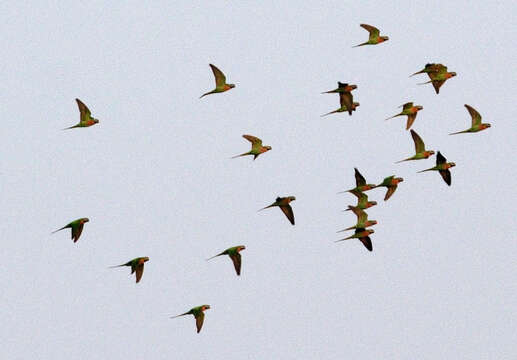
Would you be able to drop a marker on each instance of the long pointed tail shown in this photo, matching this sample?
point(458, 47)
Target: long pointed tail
point(214, 256)
point(427, 82)
point(55, 231)
point(207, 93)
point(71, 127)
point(418, 72)
point(402, 160)
point(243, 154)
point(425, 170)
point(349, 228)
point(459, 132)
point(114, 266)
point(365, 43)
point(391, 117)
point(332, 112)
point(266, 207)
point(187, 313)
point(343, 239)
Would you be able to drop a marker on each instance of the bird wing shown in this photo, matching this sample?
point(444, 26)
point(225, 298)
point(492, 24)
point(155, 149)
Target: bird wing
point(440, 159)
point(391, 190)
point(361, 215)
point(220, 79)
point(139, 271)
point(410, 120)
point(407, 106)
point(367, 242)
point(437, 84)
point(76, 231)
point(199, 320)
point(476, 117)
point(359, 179)
point(446, 175)
point(83, 110)
point(236, 258)
point(419, 144)
point(256, 143)
point(374, 32)
point(288, 211)
point(346, 99)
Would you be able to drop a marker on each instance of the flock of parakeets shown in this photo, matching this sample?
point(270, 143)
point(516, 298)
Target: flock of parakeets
point(437, 73)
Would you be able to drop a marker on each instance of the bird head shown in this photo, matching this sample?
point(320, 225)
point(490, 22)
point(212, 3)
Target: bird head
point(143, 259)
point(399, 179)
point(430, 152)
point(205, 307)
point(268, 147)
point(451, 164)
point(291, 198)
point(372, 203)
point(384, 38)
point(231, 85)
point(240, 248)
point(419, 107)
point(84, 220)
point(452, 74)
point(487, 126)
point(356, 104)
point(95, 120)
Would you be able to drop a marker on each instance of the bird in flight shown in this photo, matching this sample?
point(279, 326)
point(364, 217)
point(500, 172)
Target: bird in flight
point(362, 219)
point(283, 203)
point(442, 166)
point(234, 254)
point(420, 151)
point(360, 183)
point(438, 74)
point(76, 226)
point(374, 37)
point(198, 313)
point(137, 266)
point(411, 112)
point(256, 147)
point(477, 125)
point(363, 235)
point(362, 200)
point(85, 117)
point(220, 82)
point(390, 182)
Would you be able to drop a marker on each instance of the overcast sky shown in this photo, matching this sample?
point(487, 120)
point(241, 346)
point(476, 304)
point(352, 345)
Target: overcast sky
point(155, 179)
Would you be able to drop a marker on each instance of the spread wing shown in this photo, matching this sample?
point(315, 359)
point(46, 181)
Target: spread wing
point(220, 79)
point(367, 242)
point(391, 190)
point(362, 217)
point(236, 258)
point(256, 143)
point(83, 109)
point(139, 272)
point(446, 175)
point(437, 84)
point(374, 32)
point(419, 144)
point(288, 211)
point(76, 231)
point(346, 99)
point(440, 159)
point(359, 179)
point(407, 106)
point(410, 120)
point(199, 320)
point(360, 195)
point(476, 117)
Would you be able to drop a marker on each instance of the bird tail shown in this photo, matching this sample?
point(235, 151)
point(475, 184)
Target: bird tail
point(343, 239)
point(329, 92)
point(243, 154)
point(425, 170)
point(402, 160)
point(64, 227)
point(332, 112)
point(71, 127)
point(365, 43)
point(187, 313)
point(391, 117)
point(214, 256)
point(350, 228)
point(427, 82)
point(207, 93)
point(459, 132)
point(418, 72)
point(114, 266)
point(266, 207)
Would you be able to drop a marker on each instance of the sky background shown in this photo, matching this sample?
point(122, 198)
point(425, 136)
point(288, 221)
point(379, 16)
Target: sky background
point(156, 179)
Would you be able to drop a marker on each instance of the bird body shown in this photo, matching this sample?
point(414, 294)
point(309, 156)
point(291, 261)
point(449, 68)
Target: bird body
point(438, 74)
point(137, 265)
point(374, 36)
point(220, 82)
point(410, 111)
point(362, 219)
point(362, 200)
point(256, 147)
point(76, 226)
point(390, 182)
point(420, 151)
point(341, 88)
point(442, 166)
point(234, 254)
point(198, 313)
point(360, 183)
point(85, 116)
point(476, 125)
point(283, 203)
point(363, 235)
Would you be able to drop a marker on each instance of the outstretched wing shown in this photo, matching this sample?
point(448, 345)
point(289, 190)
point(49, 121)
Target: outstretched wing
point(391, 190)
point(199, 320)
point(256, 143)
point(236, 258)
point(288, 211)
point(359, 179)
point(76, 231)
point(419, 143)
point(446, 175)
point(367, 242)
point(346, 99)
point(84, 111)
point(220, 79)
point(139, 272)
point(440, 159)
point(476, 117)
point(374, 32)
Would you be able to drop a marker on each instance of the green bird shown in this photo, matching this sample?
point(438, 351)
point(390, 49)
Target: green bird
point(411, 112)
point(362, 219)
point(198, 314)
point(429, 68)
point(421, 152)
point(256, 147)
point(360, 183)
point(439, 76)
point(374, 37)
point(283, 203)
point(363, 235)
point(362, 200)
point(137, 265)
point(347, 103)
point(391, 182)
point(477, 125)
point(234, 254)
point(76, 226)
point(85, 117)
point(442, 166)
point(220, 82)
point(341, 88)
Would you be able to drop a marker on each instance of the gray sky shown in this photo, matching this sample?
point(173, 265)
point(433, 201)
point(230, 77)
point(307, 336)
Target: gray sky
point(155, 178)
